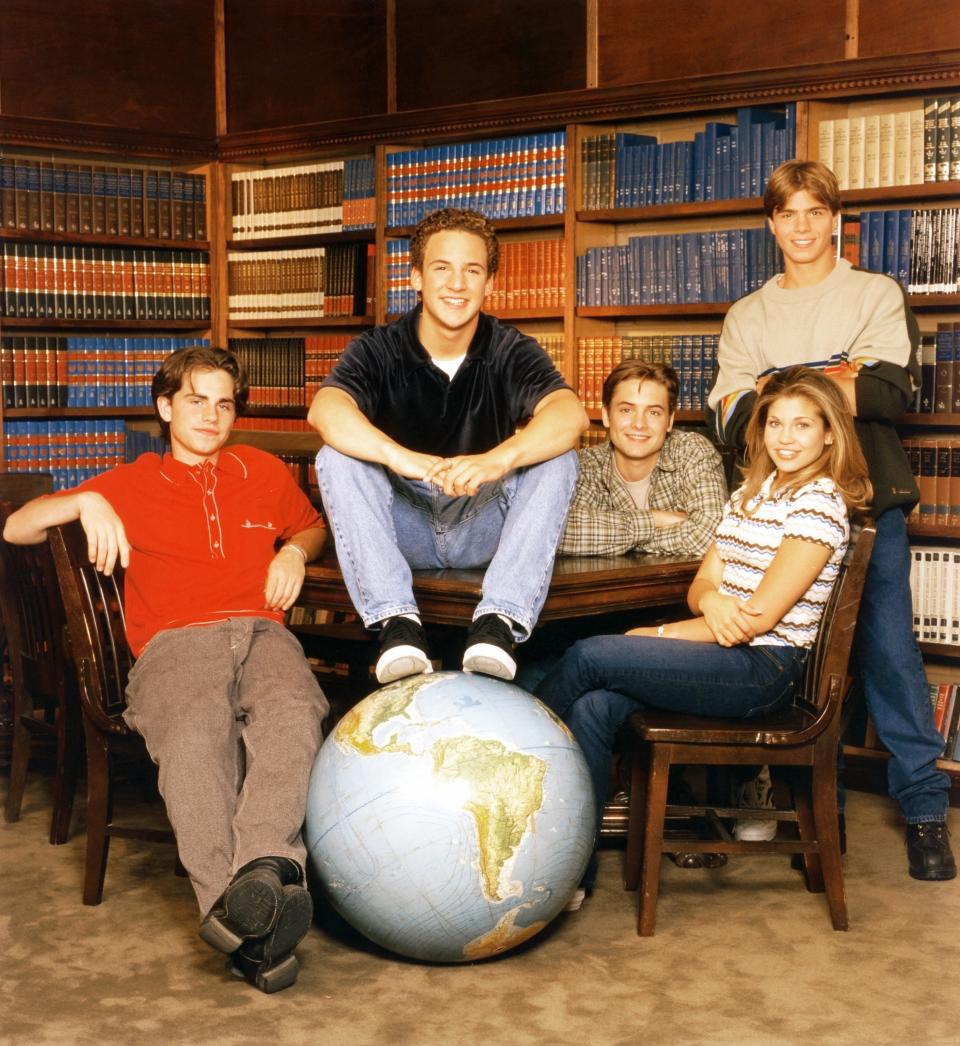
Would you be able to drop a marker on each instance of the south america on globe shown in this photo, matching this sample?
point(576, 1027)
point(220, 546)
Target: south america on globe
point(449, 816)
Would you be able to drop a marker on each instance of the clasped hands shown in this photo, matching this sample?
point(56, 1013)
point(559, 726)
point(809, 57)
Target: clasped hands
point(464, 474)
point(732, 621)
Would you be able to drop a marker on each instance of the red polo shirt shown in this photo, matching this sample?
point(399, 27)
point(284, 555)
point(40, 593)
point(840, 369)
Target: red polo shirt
point(201, 537)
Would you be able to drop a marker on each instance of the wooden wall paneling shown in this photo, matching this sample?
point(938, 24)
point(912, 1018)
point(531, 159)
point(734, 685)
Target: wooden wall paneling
point(146, 66)
point(907, 26)
point(646, 40)
point(499, 49)
point(290, 62)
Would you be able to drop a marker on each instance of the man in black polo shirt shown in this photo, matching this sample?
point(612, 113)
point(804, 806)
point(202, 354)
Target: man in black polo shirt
point(448, 443)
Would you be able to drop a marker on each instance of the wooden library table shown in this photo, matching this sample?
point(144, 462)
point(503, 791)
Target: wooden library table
point(580, 587)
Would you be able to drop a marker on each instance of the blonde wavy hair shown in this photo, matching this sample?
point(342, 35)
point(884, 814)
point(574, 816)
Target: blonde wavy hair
point(842, 460)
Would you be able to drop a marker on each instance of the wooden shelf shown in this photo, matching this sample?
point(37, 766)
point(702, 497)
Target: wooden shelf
point(929, 421)
point(901, 193)
point(105, 325)
point(307, 239)
point(916, 530)
point(880, 754)
point(613, 312)
point(939, 649)
point(102, 240)
point(305, 443)
point(78, 412)
point(309, 321)
point(668, 211)
point(534, 221)
point(934, 301)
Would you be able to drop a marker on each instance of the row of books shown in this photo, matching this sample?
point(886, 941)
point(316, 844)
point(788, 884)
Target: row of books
point(723, 161)
point(310, 198)
point(307, 282)
point(593, 437)
point(907, 147)
point(935, 593)
point(531, 274)
point(554, 346)
point(946, 716)
point(287, 372)
point(46, 281)
point(255, 424)
point(919, 248)
point(939, 353)
point(691, 355)
point(71, 450)
point(74, 371)
point(516, 177)
point(935, 464)
point(48, 195)
point(669, 269)
point(401, 297)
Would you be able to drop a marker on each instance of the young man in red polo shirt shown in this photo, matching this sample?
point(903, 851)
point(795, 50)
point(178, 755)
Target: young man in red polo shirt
point(214, 541)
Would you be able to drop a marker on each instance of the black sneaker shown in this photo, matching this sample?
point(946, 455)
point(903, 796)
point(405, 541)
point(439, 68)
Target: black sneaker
point(928, 851)
point(490, 648)
point(403, 650)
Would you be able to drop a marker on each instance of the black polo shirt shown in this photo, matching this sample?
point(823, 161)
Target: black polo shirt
point(401, 390)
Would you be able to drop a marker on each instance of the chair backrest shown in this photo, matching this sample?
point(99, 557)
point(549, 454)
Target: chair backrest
point(93, 606)
point(826, 674)
point(20, 487)
point(33, 619)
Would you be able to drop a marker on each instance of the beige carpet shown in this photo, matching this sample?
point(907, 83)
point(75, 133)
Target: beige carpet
point(742, 955)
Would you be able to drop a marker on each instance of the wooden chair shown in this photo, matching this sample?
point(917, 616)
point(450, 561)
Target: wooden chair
point(45, 701)
point(93, 606)
point(803, 738)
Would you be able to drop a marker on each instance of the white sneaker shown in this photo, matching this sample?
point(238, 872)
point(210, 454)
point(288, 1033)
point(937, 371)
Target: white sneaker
point(756, 794)
point(576, 900)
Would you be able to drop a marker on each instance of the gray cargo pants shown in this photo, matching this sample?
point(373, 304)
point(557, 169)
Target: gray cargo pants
point(231, 715)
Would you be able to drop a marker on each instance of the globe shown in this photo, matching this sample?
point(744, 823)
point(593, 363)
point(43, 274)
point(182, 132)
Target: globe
point(449, 816)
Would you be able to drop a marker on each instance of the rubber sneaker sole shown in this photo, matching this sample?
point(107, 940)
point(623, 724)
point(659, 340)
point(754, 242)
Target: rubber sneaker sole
point(401, 661)
point(489, 660)
point(576, 900)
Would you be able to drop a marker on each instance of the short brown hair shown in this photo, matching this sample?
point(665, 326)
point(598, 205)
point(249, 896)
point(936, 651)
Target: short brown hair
point(168, 380)
point(798, 175)
point(642, 370)
point(459, 220)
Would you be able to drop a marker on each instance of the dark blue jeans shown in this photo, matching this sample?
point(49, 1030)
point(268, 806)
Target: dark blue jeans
point(894, 683)
point(601, 681)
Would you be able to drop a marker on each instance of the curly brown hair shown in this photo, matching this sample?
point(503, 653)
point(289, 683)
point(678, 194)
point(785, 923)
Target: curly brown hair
point(643, 370)
point(174, 370)
point(456, 219)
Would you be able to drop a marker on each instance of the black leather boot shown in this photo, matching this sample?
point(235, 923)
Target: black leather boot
point(268, 962)
point(929, 853)
point(250, 905)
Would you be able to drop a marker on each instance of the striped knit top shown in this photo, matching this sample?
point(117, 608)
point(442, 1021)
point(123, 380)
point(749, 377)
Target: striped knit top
point(747, 544)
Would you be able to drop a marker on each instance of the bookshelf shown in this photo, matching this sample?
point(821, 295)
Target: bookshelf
point(105, 271)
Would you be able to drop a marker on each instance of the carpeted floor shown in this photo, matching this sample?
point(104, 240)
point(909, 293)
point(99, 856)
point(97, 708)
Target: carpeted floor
point(742, 955)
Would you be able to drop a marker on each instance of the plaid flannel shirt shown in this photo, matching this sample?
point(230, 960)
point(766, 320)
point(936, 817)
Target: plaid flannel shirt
point(603, 520)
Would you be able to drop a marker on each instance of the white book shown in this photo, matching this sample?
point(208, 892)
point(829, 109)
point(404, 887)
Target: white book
point(855, 162)
point(841, 152)
point(916, 590)
point(916, 146)
point(871, 152)
point(901, 148)
point(887, 130)
point(825, 143)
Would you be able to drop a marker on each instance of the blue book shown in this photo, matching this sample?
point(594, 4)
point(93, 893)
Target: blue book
point(903, 250)
point(891, 243)
point(876, 224)
point(624, 150)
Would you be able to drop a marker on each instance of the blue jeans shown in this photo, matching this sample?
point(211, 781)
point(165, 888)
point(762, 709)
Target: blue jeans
point(600, 682)
point(386, 526)
point(894, 683)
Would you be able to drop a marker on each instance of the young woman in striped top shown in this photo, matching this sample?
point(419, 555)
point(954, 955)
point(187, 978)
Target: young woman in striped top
point(758, 596)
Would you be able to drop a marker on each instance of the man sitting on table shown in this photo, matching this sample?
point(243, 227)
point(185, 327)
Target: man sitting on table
point(649, 488)
point(448, 443)
point(214, 541)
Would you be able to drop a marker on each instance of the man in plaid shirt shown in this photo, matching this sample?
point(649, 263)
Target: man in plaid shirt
point(649, 489)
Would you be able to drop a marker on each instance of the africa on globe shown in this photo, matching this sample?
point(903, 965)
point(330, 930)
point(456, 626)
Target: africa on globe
point(449, 816)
